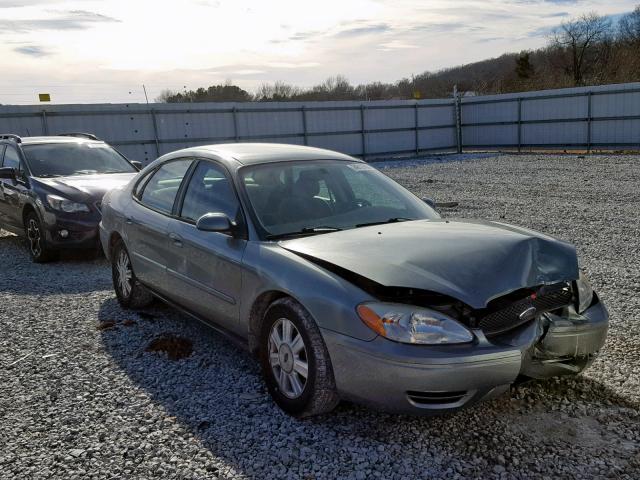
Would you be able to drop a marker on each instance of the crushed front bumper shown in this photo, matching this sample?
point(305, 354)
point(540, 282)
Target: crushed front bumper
point(435, 379)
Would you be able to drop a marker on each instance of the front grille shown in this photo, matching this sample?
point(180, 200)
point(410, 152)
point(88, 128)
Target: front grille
point(435, 398)
point(508, 318)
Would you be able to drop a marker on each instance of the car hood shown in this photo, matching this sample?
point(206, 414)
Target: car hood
point(87, 187)
point(472, 261)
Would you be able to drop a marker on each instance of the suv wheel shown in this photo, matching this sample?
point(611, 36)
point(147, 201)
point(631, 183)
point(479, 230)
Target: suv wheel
point(129, 291)
point(36, 240)
point(295, 362)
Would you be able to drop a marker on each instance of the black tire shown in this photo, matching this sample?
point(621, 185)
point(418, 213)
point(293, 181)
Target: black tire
point(319, 394)
point(136, 295)
point(36, 240)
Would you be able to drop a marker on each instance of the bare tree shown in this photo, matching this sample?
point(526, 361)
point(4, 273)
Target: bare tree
point(585, 40)
point(165, 96)
point(629, 28)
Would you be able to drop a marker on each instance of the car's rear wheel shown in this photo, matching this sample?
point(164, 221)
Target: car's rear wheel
point(37, 241)
point(129, 291)
point(295, 361)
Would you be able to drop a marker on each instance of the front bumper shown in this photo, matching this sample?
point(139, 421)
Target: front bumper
point(435, 379)
point(82, 230)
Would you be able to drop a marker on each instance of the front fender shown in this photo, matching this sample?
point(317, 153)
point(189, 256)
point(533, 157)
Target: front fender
point(331, 300)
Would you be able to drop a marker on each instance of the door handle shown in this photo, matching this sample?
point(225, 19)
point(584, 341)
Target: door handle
point(177, 239)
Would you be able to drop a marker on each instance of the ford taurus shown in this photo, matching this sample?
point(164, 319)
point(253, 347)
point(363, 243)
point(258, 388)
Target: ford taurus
point(344, 284)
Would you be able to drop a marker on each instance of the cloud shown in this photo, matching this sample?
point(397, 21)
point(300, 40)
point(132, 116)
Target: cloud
point(365, 30)
point(32, 51)
point(556, 14)
point(65, 20)
point(396, 45)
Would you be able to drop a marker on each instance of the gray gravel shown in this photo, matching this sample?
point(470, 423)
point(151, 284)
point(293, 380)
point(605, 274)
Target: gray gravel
point(81, 398)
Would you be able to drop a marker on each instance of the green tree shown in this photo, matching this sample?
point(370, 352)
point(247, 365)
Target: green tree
point(524, 68)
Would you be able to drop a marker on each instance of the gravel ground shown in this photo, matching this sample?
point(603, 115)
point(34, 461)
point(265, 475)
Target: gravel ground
point(82, 398)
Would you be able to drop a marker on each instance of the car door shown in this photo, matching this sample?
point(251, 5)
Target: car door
point(204, 268)
point(147, 220)
point(13, 191)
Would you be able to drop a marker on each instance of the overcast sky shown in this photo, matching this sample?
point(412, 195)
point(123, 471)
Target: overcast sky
point(104, 50)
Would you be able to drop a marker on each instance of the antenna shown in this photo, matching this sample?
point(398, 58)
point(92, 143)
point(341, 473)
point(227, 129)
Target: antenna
point(145, 93)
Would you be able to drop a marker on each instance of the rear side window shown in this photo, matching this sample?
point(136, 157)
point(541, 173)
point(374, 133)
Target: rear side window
point(11, 158)
point(162, 188)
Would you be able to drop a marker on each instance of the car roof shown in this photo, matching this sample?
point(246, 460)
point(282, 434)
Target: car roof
point(256, 153)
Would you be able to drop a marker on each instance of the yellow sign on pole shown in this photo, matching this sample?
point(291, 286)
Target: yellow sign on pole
point(44, 97)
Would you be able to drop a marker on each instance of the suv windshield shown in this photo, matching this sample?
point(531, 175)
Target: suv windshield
point(81, 158)
point(305, 198)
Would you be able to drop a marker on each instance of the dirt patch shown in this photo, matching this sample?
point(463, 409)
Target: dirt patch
point(174, 346)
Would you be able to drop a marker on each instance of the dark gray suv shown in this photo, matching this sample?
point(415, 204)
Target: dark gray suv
point(51, 189)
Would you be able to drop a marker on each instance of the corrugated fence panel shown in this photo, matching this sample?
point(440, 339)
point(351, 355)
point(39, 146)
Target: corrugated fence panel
point(253, 124)
point(22, 125)
point(586, 117)
point(350, 144)
point(173, 126)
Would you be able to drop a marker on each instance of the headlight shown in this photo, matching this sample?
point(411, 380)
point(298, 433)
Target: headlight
point(585, 293)
point(65, 205)
point(408, 324)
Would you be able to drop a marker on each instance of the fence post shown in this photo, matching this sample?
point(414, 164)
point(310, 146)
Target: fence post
point(364, 134)
point(458, 115)
point(304, 124)
point(589, 122)
point(45, 127)
point(415, 121)
point(235, 123)
point(155, 131)
point(519, 124)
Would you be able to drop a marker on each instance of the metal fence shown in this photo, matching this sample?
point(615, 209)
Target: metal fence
point(597, 117)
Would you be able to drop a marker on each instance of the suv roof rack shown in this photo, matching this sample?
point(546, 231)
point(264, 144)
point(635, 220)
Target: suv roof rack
point(89, 136)
point(11, 136)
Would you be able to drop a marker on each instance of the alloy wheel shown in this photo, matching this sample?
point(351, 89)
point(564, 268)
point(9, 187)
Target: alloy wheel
point(35, 238)
point(288, 358)
point(125, 275)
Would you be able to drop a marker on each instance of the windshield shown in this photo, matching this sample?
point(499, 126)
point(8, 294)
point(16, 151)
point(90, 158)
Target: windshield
point(81, 158)
point(292, 198)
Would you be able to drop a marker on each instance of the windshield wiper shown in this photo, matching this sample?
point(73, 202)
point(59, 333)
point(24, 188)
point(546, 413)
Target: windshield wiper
point(382, 222)
point(304, 231)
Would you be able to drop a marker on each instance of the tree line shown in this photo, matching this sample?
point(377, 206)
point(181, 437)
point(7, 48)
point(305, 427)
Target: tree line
point(587, 50)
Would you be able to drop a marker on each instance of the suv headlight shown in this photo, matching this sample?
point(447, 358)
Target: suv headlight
point(66, 205)
point(409, 324)
point(585, 293)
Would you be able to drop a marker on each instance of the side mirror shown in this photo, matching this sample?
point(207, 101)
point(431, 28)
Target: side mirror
point(8, 172)
point(214, 222)
point(136, 164)
point(430, 201)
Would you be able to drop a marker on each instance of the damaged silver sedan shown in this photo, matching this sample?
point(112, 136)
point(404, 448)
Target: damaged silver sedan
point(344, 284)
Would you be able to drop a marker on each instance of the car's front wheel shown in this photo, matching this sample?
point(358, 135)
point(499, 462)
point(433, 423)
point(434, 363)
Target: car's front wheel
point(37, 241)
point(129, 291)
point(295, 361)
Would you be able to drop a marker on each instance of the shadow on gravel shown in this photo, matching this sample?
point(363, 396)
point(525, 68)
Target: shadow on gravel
point(218, 394)
point(74, 272)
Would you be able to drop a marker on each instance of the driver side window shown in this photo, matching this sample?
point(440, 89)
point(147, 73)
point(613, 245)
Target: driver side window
point(209, 191)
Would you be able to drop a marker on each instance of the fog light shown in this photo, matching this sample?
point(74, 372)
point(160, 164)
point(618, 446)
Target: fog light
point(63, 233)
